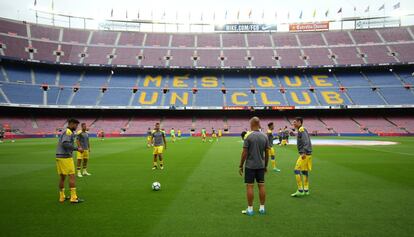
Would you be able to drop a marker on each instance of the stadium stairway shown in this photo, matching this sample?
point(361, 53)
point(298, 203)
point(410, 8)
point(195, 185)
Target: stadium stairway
point(396, 125)
point(34, 123)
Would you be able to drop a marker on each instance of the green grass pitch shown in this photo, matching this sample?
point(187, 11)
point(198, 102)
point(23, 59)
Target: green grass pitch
point(355, 191)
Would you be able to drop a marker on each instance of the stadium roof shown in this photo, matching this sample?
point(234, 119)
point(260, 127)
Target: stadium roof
point(200, 12)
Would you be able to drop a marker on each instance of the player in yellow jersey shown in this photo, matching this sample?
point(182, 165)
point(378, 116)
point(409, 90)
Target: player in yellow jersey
point(285, 136)
point(220, 134)
point(179, 134)
point(159, 142)
point(203, 135)
point(304, 162)
point(172, 134)
point(82, 140)
point(245, 134)
point(213, 135)
point(64, 161)
point(271, 151)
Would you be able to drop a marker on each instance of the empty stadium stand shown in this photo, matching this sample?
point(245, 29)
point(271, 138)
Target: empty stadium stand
point(52, 86)
point(230, 124)
point(28, 41)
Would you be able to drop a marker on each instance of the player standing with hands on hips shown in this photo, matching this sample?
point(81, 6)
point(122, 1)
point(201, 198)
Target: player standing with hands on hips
point(254, 157)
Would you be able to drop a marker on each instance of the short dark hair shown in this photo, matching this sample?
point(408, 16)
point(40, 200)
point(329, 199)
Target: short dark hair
point(83, 124)
point(73, 120)
point(270, 124)
point(157, 123)
point(300, 119)
point(243, 134)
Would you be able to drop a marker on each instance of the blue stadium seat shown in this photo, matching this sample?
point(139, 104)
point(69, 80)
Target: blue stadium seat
point(69, 77)
point(2, 77)
point(236, 80)
point(239, 97)
point(238, 85)
point(116, 97)
point(269, 97)
point(2, 99)
point(52, 95)
point(331, 97)
point(45, 76)
point(95, 79)
point(304, 97)
point(86, 96)
point(64, 95)
point(179, 97)
point(398, 95)
point(123, 79)
point(383, 78)
point(148, 97)
point(293, 81)
point(23, 94)
point(351, 79)
point(209, 97)
point(322, 80)
point(17, 72)
point(364, 96)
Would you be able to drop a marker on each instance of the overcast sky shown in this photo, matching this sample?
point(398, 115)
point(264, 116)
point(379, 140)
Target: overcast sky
point(180, 9)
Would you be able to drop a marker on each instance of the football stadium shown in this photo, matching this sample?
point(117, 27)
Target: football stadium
point(206, 118)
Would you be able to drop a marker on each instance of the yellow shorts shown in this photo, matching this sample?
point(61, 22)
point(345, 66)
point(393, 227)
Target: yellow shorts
point(284, 142)
point(214, 135)
point(83, 155)
point(203, 135)
point(148, 138)
point(172, 136)
point(158, 150)
point(271, 151)
point(65, 166)
point(304, 164)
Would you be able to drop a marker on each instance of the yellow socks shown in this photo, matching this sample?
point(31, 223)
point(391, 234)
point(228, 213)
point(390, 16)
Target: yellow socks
point(73, 195)
point(62, 195)
point(306, 182)
point(299, 182)
point(273, 163)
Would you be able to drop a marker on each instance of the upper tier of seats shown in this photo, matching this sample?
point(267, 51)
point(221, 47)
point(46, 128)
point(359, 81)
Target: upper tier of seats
point(26, 41)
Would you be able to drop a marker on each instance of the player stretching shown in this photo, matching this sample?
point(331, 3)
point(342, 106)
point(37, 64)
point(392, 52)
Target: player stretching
point(64, 161)
point(159, 143)
point(255, 156)
point(213, 135)
point(82, 140)
point(272, 149)
point(304, 162)
point(172, 134)
point(203, 135)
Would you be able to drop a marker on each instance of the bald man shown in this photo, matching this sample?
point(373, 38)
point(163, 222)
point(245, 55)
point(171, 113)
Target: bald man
point(255, 158)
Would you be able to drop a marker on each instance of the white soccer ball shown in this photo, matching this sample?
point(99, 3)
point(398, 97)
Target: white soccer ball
point(156, 186)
